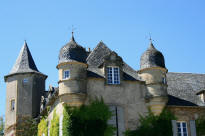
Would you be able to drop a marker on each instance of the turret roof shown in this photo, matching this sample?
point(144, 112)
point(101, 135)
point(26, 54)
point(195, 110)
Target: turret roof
point(24, 63)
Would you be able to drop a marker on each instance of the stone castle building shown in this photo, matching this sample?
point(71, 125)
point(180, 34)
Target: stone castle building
point(102, 73)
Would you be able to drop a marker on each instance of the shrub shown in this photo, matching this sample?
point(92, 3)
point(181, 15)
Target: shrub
point(200, 126)
point(43, 127)
point(152, 125)
point(87, 120)
point(54, 128)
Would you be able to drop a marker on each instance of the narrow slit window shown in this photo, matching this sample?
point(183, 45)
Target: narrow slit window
point(12, 105)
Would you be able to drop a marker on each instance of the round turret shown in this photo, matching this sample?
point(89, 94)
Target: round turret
point(72, 69)
point(152, 58)
point(153, 72)
point(72, 52)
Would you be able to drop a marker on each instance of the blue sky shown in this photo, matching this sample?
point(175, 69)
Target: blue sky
point(177, 28)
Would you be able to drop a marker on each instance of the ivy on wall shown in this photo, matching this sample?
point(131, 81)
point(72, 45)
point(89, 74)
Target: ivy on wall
point(200, 126)
point(26, 126)
point(54, 128)
point(152, 125)
point(43, 127)
point(87, 120)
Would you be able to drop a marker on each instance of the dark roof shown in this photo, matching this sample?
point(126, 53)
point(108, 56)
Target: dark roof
point(152, 58)
point(174, 101)
point(128, 77)
point(185, 86)
point(93, 74)
point(72, 52)
point(96, 59)
point(24, 62)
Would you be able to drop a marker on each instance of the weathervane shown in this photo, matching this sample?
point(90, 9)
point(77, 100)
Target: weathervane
point(150, 38)
point(73, 30)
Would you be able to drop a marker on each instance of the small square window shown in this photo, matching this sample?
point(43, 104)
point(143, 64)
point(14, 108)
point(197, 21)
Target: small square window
point(66, 74)
point(12, 105)
point(25, 80)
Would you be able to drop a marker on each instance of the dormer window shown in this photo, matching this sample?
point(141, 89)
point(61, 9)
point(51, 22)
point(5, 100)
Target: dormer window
point(201, 95)
point(66, 74)
point(113, 75)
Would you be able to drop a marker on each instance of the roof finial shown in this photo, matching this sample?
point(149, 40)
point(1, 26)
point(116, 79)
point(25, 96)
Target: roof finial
point(150, 38)
point(72, 38)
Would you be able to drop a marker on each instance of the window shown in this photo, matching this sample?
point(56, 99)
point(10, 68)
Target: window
point(25, 80)
point(113, 75)
point(182, 129)
point(66, 74)
point(202, 97)
point(12, 105)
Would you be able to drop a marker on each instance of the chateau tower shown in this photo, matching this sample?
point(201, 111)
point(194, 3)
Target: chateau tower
point(153, 72)
point(25, 86)
point(72, 73)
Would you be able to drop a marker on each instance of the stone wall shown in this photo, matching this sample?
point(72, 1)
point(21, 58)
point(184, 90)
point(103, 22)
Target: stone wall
point(187, 113)
point(129, 95)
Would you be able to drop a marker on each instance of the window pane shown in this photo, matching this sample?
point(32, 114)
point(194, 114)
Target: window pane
point(109, 75)
point(178, 124)
point(184, 124)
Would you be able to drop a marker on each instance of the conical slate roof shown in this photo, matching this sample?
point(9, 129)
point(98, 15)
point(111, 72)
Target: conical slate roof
point(152, 58)
point(24, 62)
point(72, 52)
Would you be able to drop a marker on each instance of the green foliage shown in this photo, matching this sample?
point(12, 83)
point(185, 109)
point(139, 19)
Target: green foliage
point(200, 126)
point(54, 128)
point(1, 126)
point(152, 125)
point(87, 120)
point(26, 126)
point(66, 122)
point(43, 127)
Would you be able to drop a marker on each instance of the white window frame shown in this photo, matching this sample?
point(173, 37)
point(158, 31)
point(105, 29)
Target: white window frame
point(181, 128)
point(64, 74)
point(112, 75)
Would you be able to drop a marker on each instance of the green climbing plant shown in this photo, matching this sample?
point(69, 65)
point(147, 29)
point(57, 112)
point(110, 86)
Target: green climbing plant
point(87, 120)
point(54, 128)
point(43, 127)
point(200, 126)
point(152, 125)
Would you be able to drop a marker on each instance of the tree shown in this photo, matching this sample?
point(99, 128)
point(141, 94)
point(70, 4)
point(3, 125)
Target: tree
point(152, 125)
point(1, 126)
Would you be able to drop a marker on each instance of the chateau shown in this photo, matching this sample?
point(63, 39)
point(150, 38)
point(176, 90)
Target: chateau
point(85, 74)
